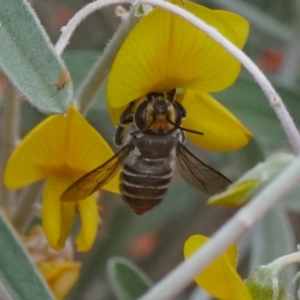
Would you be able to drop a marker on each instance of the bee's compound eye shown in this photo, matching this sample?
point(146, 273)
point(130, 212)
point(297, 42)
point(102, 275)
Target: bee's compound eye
point(140, 115)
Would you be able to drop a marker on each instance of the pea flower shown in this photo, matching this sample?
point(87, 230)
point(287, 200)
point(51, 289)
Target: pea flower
point(165, 52)
point(61, 277)
point(59, 268)
point(220, 278)
point(61, 149)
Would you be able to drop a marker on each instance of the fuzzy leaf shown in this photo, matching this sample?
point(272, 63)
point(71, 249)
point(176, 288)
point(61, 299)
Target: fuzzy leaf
point(241, 191)
point(263, 284)
point(17, 272)
point(28, 58)
point(128, 281)
point(273, 237)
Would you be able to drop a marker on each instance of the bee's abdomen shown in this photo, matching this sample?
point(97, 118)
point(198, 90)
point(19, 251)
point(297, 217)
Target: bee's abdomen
point(144, 185)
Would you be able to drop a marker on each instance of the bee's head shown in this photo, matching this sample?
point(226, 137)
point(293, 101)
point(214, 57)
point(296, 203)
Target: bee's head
point(154, 114)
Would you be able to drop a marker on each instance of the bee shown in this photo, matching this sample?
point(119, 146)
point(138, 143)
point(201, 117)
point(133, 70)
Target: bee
point(153, 145)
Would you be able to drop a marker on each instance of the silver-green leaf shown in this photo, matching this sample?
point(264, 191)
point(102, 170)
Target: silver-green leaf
point(18, 274)
point(28, 58)
point(127, 280)
point(243, 189)
point(264, 284)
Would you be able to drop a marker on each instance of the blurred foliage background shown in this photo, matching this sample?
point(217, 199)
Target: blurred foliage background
point(154, 241)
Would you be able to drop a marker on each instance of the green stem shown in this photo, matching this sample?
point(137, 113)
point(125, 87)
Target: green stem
point(95, 79)
point(25, 211)
point(11, 124)
point(247, 217)
point(11, 121)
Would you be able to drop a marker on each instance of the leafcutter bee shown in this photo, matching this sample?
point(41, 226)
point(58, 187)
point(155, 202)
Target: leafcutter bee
point(153, 145)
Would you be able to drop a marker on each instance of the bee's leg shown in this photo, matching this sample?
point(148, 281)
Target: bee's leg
point(134, 133)
point(127, 113)
point(182, 137)
point(126, 119)
point(120, 131)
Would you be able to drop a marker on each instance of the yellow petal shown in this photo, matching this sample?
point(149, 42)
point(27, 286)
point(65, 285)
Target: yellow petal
point(68, 210)
point(65, 146)
point(222, 130)
point(113, 185)
point(89, 216)
point(57, 222)
point(231, 255)
point(164, 52)
point(220, 278)
point(115, 113)
point(237, 23)
point(60, 276)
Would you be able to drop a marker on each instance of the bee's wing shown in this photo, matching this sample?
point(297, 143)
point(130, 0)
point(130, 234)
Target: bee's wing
point(94, 180)
point(198, 174)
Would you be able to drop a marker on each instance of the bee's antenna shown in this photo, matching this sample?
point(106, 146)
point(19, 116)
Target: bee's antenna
point(185, 129)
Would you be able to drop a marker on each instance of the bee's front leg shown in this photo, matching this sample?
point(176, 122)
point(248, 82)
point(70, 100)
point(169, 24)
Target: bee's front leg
point(126, 120)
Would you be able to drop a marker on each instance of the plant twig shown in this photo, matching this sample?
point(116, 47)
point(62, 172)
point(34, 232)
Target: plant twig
point(69, 29)
point(243, 220)
point(11, 123)
point(24, 210)
point(95, 79)
point(284, 261)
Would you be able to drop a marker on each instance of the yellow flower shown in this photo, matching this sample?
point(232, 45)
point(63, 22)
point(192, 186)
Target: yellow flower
point(61, 277)
point(220, 278)
point(164, 52)
point(61, 149)
point(58, 268)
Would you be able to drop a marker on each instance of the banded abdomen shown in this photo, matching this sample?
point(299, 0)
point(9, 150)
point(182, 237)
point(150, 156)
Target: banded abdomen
point(147, 171)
